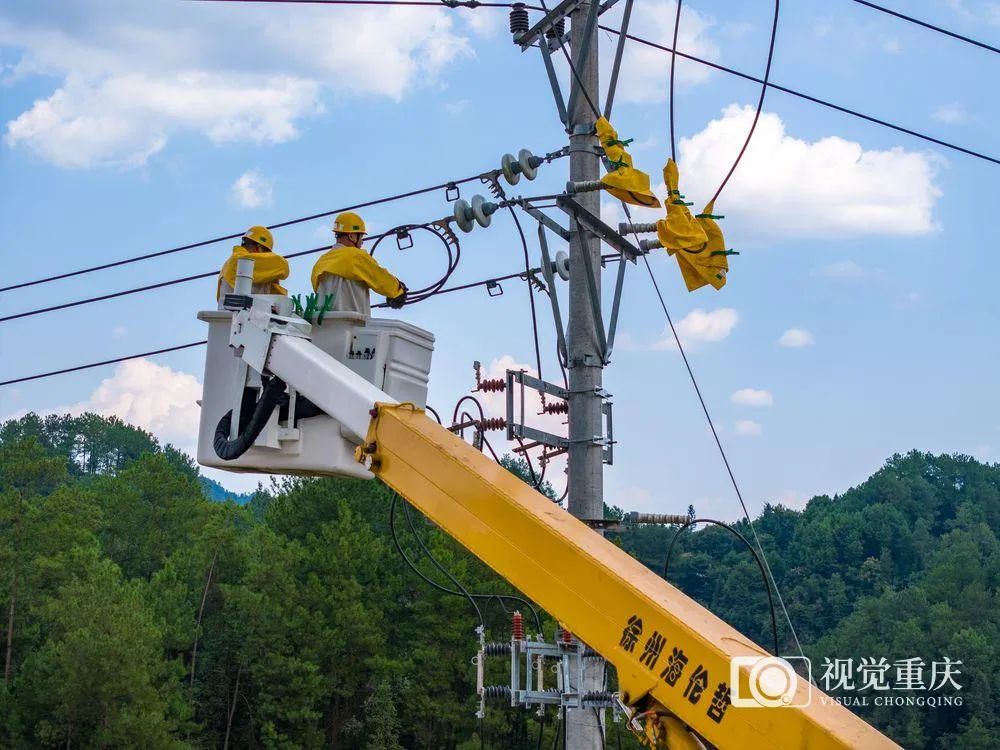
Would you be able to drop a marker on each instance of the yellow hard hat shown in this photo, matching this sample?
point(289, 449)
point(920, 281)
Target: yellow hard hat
point(260, 235)
point(349, 223)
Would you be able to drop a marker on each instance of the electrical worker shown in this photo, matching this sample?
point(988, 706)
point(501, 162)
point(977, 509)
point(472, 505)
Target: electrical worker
point(348, 272)
point(268, 268)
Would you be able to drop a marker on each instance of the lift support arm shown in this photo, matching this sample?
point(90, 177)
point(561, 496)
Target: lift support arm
point(671, 654)
point(613, 603)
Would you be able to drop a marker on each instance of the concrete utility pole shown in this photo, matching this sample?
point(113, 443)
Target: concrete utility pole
point(584, 730)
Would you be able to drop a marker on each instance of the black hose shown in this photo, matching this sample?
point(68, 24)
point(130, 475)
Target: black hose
point(250, 427)
point(756, 557)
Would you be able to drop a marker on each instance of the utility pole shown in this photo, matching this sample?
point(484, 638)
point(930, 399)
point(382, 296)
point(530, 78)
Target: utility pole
point(584, 726)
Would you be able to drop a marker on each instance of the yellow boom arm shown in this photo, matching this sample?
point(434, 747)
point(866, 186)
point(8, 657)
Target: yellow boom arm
point(672, 655)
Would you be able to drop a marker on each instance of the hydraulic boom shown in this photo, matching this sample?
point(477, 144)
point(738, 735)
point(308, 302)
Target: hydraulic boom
point(673, 657)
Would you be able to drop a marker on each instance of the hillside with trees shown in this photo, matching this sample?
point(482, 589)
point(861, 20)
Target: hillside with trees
point(139, 612)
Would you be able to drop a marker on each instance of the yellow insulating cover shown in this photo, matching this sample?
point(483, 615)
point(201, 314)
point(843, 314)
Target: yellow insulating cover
point(680, 230)
point(354, 263)
point(626, 183)
point(268, 268)
point(710, 264)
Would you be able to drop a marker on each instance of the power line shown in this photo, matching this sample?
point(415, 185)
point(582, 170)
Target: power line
point(673, 65)
point(930, 26)
point(760, 102)
point(203, 243)
point(136, 290)
point(722, 451)
point(103, 362)
point(807, 97)
point(412, 3)
point(756, 557)
point(166, 350)
point(194, 277)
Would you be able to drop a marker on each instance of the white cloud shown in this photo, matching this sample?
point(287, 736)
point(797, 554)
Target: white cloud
point(796, 338)
point(150, 396)
point(892, 47)
point(752, 397)
point(788, 187)
point(700, 327)
point(842, 270)
point(252, 190)
point(645, 75)
point(950, 114)
point(748, 428)
point(133, 76)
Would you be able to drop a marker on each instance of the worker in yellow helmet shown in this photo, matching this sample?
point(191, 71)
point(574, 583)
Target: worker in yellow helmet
point(348, 272)
point(268, 268)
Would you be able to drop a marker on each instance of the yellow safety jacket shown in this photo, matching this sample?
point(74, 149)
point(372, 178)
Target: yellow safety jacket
point(356, 264)
point(268, 268)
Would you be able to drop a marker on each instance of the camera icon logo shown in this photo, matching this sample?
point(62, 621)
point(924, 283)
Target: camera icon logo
point(773, 681)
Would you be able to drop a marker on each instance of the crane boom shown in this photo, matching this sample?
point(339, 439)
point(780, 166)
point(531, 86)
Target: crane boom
point(673, 657)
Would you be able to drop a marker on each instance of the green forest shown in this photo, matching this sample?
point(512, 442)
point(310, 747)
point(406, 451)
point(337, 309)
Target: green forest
point(139, 611)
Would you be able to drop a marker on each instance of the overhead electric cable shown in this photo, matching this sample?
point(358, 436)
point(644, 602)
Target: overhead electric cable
point(412, 3)
point(399, 547)
point(203, 243)
point(809, 97)
point(722, 451)
point(732, 530)
point(39, 376)
point(673, 64)
point(423, 294)
point(930, 26)
point(760, 101)
point(572, 68)
point(116, 360)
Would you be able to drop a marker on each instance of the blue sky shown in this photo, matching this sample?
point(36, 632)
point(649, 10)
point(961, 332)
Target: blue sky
point(129, 130)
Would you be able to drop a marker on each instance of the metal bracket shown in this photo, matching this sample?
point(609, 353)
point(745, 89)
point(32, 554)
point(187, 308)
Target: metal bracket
point(553, 297)
point(616, 66)
point(608, 454)
point(615, 305)
point(594, 224)
point(567, 37)
point(542, 218)
point(517, 429)
point(588, 35)
point(537, 32)
point(554, 83)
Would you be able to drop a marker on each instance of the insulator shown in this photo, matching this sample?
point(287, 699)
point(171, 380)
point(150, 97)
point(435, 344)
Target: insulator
point(565, 636)
point(639, 227)
point(496, 649)
point(557, 30)
point(492, 385)
point(586, 186)
point(647, 245)
point(598, 696)
point(493, 423)
point(517, 626)
point(559, 407)
point(496, 692)
point(518, 19)
point(657, 518)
